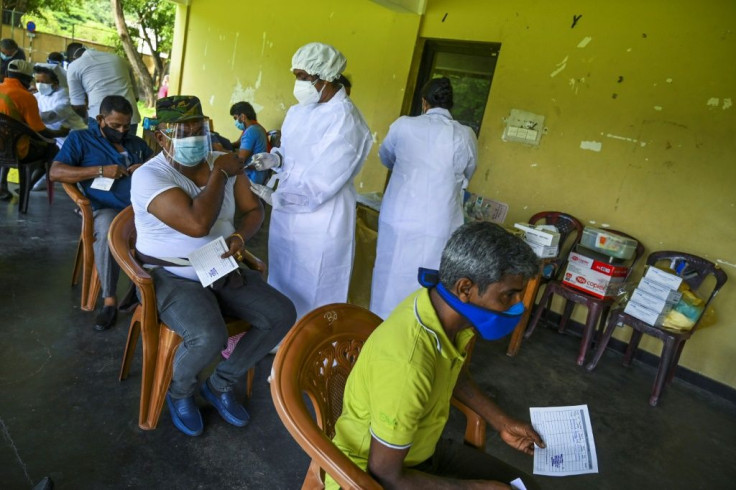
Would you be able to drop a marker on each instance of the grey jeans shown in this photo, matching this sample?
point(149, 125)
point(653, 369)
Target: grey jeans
point(107, 268)
point(196, 313)
point(454, 460)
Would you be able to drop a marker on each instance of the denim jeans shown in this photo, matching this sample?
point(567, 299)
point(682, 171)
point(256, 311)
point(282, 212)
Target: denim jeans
point(107, 269)
point(454, 460)
point(196, 314)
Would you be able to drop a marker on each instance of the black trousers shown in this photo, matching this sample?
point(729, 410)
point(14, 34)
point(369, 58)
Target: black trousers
point(455, 460)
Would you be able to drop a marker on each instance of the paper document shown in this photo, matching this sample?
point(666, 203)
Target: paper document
point(518, 484)
point(207, 262)
point(102, 183)
point(569, 437)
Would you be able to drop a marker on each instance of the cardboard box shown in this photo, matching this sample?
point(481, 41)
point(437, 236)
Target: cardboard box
point(659, 290)
point(665, 278)
point(600, 279)
point(652, 302)
point(543, 251)
point(540, 237)
point(643, 313)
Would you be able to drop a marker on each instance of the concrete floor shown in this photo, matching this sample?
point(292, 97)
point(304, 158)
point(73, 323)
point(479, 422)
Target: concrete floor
point(64, 414)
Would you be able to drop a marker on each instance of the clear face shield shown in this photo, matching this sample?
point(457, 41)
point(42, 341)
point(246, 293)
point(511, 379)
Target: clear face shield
point(190, 141)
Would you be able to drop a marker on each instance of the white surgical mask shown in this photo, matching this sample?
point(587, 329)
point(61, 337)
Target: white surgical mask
point(190, 151)
point(45, 88)
point(305, 92)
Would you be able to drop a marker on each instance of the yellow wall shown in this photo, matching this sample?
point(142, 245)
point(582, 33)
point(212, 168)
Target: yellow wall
point(665, 172)
point(239, 51)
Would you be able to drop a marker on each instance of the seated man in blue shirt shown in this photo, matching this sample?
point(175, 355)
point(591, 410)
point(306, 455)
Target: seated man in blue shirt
point(253, 139)
point(101, 159)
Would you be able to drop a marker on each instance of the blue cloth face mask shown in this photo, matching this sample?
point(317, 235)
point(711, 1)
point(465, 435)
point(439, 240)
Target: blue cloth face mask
point(492, 325)
point(240, 125)
point(190, 151)
point(5, 57)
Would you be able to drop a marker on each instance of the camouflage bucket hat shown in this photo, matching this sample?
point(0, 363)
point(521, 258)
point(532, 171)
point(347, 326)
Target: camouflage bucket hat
point(178, 108)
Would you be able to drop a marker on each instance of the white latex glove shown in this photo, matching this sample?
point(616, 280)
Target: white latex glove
point(265, 161)
point(262, 191)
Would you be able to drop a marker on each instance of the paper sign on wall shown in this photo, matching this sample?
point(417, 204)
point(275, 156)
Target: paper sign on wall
point(523, 127)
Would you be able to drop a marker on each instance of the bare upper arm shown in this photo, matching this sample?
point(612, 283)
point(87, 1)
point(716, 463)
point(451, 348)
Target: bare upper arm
point(386, 464)
point(245, 201)
point(174, 208)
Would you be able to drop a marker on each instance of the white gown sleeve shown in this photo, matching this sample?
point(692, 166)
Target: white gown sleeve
point(387, 151)
point(336, 158)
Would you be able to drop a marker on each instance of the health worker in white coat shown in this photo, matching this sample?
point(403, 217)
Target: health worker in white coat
point(53, 99)
point(324, 142)
point(432, 157)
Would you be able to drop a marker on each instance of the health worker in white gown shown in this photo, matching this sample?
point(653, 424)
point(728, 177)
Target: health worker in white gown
point(432, 158)
point(53, 99)
point(324, 142)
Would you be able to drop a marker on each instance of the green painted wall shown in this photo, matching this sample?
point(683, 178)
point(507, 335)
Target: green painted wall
point(653, 85)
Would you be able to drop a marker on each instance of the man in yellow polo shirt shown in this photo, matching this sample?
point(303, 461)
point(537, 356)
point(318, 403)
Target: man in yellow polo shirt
point(397, 397)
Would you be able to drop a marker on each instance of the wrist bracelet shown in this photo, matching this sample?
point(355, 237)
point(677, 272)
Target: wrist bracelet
point(223, 171)
point(238, 235)
point(99, 172)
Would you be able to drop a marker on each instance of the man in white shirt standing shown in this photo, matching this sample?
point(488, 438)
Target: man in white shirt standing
point(97, 74)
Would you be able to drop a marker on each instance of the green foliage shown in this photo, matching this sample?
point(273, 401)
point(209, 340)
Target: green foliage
point(89, 20)
point(92, 20)
point(153, 22)
point(36, 6)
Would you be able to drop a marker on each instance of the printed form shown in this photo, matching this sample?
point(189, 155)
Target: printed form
point(569, 437)
point(209, 265)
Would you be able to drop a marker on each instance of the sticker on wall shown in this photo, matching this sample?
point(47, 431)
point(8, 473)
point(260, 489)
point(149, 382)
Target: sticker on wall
point(591, 145)
point(523, 127)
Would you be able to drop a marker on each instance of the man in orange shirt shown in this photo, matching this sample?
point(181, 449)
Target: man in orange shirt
point(17, 102)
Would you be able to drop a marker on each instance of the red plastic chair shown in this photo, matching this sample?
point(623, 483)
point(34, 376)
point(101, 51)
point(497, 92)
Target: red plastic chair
point(598, 308)
point(695, 272)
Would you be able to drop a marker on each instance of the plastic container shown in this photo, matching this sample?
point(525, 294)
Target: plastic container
point(608, 243)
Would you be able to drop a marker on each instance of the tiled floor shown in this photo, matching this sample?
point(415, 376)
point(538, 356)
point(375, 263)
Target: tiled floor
point(64, 414)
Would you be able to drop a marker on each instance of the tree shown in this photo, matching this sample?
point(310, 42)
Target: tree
point(30, 7)
point(132, 54)
point(156, 22)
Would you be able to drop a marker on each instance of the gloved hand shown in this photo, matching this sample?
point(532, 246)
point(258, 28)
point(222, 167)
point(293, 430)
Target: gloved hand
point(265, 161)
point(262, 191)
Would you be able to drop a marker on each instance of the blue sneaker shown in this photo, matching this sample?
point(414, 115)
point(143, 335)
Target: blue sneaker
point(185, 414)
point(233, 412)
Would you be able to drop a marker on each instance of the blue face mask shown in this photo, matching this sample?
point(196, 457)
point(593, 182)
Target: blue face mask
point(190, 151)
point(492, 325)
point(240, 125)
point(5, 57)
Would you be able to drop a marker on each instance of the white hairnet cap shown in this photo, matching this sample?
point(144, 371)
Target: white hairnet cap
point(319, 59)
point(58, 71)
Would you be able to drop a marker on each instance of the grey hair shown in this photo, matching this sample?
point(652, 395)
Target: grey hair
point(484, 253)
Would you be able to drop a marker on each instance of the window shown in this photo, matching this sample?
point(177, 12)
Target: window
point(469, 66)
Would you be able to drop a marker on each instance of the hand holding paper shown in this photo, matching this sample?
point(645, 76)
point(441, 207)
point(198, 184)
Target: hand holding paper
point(209, 264)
